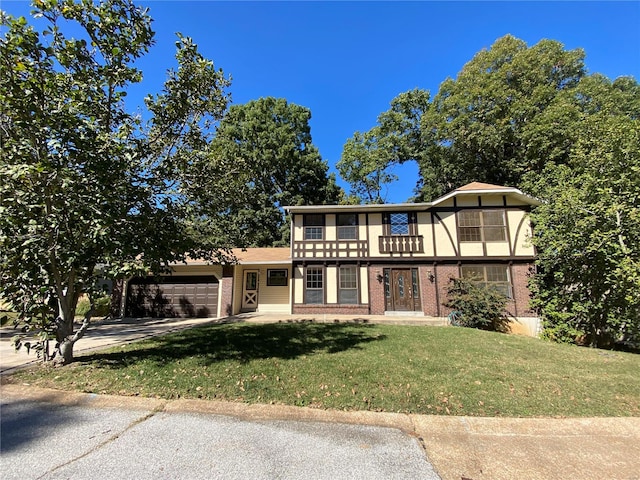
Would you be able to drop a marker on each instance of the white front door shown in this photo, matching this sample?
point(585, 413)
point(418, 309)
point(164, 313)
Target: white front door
point(250, 291)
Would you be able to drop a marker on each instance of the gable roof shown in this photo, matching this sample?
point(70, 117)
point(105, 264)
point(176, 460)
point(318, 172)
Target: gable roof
point(478, 188)
point(473, 188)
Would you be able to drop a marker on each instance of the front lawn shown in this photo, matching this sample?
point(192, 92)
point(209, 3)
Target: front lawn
point(432, 370)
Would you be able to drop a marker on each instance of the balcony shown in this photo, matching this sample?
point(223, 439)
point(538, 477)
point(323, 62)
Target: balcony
point(401, 244)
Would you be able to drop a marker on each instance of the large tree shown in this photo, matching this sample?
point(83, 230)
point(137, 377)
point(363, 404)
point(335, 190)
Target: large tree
point(269, 142)
point(87, 189)
point(481, 122)
point(493, 123)
point(368, 158)
point(366, 165)
point(588, 230)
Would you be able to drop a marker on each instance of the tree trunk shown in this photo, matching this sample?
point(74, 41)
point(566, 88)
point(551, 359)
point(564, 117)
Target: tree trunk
point(66, 338)
point(65, 352)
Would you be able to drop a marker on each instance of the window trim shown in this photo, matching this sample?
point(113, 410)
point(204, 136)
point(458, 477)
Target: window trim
point(310, 225)
point(270, 280)
point(412, 224)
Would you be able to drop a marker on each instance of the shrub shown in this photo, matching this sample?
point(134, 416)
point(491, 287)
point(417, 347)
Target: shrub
point(479, 306)
point(102, 306)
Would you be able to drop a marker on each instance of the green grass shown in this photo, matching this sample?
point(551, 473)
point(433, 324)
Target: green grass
point(431, 370)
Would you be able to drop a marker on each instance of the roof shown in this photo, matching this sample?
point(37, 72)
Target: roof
point(477, 188)
point(473, 188)
point(251, 256)
point(376, 207)
point(263, 255)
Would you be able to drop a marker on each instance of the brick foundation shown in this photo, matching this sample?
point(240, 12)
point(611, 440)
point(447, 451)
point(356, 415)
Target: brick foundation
point(433, 292)
point(331, 309)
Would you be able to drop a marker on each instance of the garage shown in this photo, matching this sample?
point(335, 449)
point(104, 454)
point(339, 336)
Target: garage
point(173, 296)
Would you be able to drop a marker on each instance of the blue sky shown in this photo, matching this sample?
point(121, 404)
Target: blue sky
point(346, 61)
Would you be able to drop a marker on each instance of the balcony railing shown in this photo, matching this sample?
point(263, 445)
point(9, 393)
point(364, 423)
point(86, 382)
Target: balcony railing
point(401, 244)
point(331, 249)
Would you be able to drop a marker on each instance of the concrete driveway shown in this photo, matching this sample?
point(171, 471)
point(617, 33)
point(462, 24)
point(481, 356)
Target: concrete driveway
point(99, 335)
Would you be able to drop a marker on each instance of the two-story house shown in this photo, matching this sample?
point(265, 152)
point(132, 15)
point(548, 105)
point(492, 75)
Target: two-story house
point(364, 260)
point(373, 259)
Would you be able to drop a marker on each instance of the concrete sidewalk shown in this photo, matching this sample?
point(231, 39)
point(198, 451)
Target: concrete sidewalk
point(458, 447)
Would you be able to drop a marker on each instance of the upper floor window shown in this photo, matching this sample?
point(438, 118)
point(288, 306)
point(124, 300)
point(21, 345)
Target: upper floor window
point(399, 223)
point(494, 276)
point(313, 226)
point(347, 226)
point(482, 226)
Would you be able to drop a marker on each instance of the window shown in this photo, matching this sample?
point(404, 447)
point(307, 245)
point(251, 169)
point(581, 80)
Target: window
point(348, 284)
point(399, 223)
point(347, 226)
point(482, 226)
point(313, 226)
point(494, 276)
point(387, 284)
point(277, 278)
point(314, 285)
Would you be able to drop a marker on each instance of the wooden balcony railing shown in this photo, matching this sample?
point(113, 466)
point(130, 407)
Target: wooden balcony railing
point(401, 244)
point(331, 249)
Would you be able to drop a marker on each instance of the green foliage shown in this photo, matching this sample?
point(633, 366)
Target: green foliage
point(479, 306)
point(368, 158)
point(101, 307)
point(86, 184)
point(588, 236)
point(365, 166)
point(268, 142)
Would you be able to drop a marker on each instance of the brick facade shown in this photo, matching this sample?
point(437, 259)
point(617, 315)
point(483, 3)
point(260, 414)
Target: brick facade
point(376, 290)
point(444, 273)
point(225, 290)
point(519, 305)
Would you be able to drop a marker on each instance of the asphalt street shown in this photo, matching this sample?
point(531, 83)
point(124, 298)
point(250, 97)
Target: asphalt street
point(51, 441)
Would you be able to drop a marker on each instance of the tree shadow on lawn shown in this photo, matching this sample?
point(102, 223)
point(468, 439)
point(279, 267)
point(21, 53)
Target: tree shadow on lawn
point(243, 343)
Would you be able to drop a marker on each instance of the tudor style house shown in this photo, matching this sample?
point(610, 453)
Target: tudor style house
point(376, 259)
point(363, 260)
